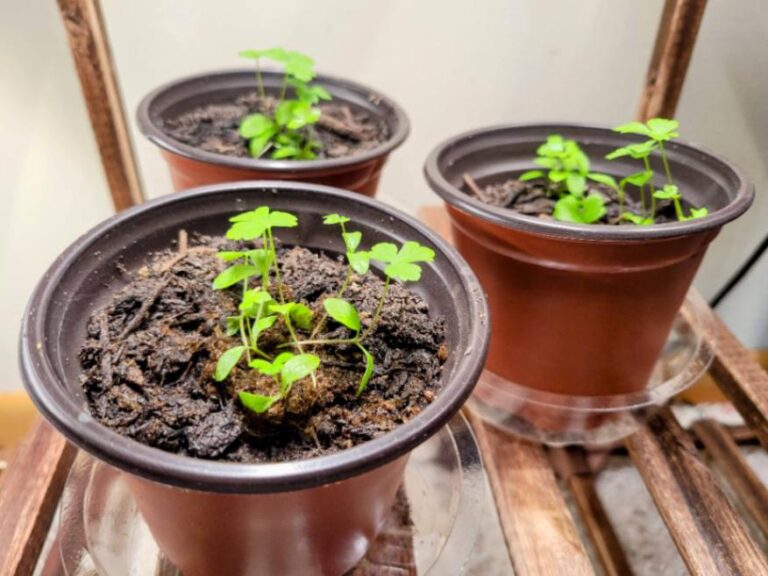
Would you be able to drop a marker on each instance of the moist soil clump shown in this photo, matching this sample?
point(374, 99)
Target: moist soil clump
point(342, 130)
point(533, 199)
point(150, 354)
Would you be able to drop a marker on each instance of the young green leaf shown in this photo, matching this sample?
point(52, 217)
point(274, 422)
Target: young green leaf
point(301, 316)
point(368, 370)
point(298, 367)
point(265, 323)
point(253, 224)
point(402, 264)
point(668, 192)
point(698, 212)
point(580, 210)
point(662, 129)
point(531, 175)
point(298, 313)
point(233, 325)
point(299, 66)
point(633, 128)
point(575, 183)
point(227, 361)
point(359, 261)
point(271, 368)
point(258, 403)
point(255, 125)
point(335, 219)
point(286, 152)
point(253, 299)
point(638, 178)
point(636, 219)
point(603, 179)
point(343, 312)
point(636, 151)
point(234, 274)
point(352, 240)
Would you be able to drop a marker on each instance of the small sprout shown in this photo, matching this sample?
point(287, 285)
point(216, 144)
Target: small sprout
point(368, 370)
point(298, 367)
point(698, 213)
point(227, 361)
point(258, 403)
point(234, 274)
point(259, 309)
point(335, 219)
point(255, 223)
point(580, 210)
point(568, 169)
point(272, 368)
point(635, 219)
point(343, 312)
point(402, 264)
point(287, 130)
point(294, 312)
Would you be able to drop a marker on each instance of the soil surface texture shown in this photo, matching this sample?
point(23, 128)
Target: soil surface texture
point(342, 130)
point(150, 354)
point(532, 199)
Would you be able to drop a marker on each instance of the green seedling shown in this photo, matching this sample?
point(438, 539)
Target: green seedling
point(263, 303)
point(567, 172)
point(286, 132)
point(658, 131)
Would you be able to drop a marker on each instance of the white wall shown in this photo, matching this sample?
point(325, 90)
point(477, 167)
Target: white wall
point(453, 65)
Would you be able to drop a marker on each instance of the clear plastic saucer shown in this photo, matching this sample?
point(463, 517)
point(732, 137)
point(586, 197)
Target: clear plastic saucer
point(559, 419)
point(101, 531)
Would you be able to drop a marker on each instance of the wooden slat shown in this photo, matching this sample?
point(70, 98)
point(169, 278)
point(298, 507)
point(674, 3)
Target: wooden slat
point(541, 535)
point(90, 49)
point(741, 378)
point(672, 51)
point(707, 531)
point(728, 458)
point(29, 496)
point(572, 467)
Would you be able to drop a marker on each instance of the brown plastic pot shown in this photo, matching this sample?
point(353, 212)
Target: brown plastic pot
point(313, 516)
point(191, 167)
point(580, 310)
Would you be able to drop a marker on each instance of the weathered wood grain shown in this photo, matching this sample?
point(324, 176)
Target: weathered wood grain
point(574, 470)
point(707, 531)
point(727, 456)
point(91, 52)
point(29, 495)
point(541, 535)
point(675, 39)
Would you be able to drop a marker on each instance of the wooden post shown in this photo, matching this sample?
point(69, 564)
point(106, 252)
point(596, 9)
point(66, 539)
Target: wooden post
point(29, 496)
point(93, 60)
point(675, 40)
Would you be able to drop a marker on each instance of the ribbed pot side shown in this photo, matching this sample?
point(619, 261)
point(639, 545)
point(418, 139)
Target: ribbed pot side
point(291, 518)
point(579, 310)
point(191, 167)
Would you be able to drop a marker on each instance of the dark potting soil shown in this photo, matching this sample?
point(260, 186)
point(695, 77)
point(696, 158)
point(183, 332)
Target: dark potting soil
point(214, 128)
point(150, 354)
point(532, 199)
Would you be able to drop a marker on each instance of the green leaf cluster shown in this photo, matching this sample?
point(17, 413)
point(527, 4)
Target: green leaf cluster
point(567, 170)
point(262, 305)
point(286, 133)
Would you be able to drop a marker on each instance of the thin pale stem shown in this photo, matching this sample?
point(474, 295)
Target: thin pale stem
point(260, 81)
point(322, 341)
point(653, 198)
point(665, 162)
point(279, 280)
point(379, 308)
